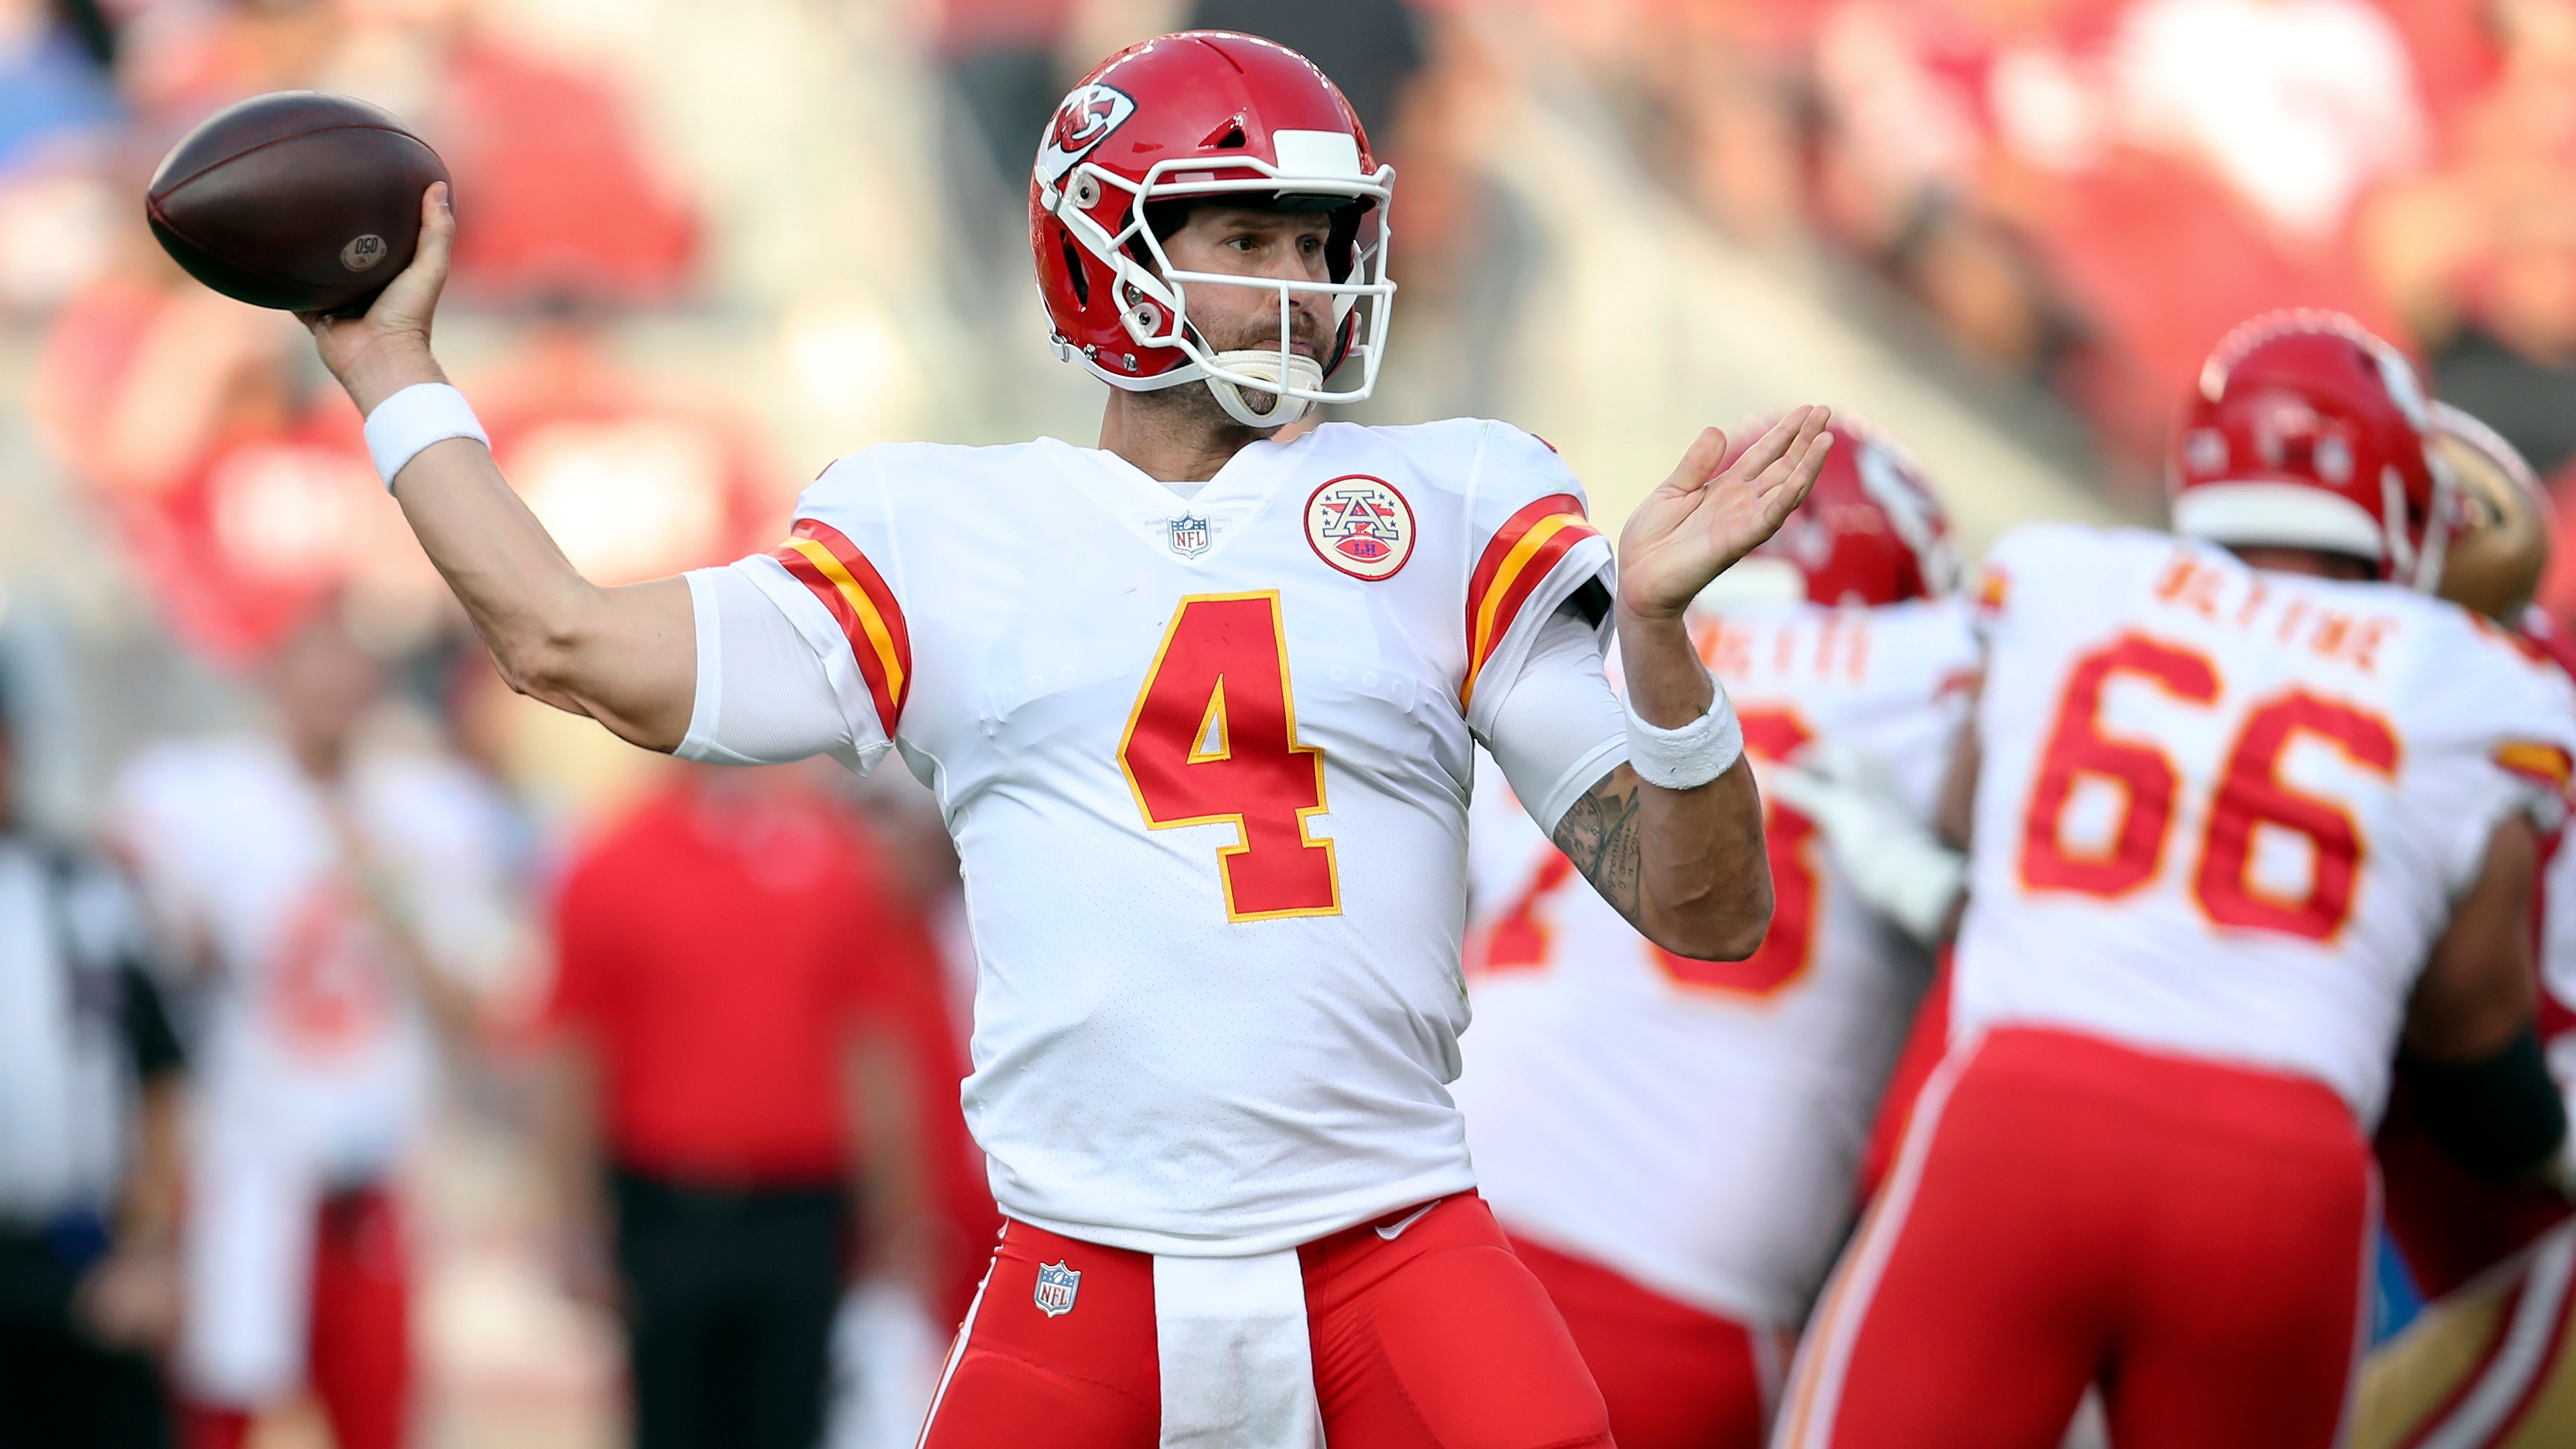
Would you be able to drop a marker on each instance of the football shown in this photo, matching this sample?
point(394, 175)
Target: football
point(295, 199)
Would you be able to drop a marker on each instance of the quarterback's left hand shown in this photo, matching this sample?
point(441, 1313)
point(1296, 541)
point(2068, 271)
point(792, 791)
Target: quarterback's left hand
point(1699, 521)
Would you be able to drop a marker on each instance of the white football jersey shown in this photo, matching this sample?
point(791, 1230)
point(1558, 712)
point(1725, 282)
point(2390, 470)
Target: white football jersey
point(1207, 765)
point(314, 1051)
point(1695, 1124)
point(2224, 811)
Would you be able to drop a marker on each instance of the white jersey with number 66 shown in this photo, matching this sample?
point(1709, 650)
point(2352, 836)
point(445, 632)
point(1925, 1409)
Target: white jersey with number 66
point(2225, 811)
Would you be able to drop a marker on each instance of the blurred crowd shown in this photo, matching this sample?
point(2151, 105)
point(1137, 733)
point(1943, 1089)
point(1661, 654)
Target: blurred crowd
point(2086, 193)
point(363, 1087)
point(466, 936)
point(2075, 196)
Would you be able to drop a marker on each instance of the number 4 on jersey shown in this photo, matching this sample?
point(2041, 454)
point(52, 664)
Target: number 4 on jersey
point(1213, 740)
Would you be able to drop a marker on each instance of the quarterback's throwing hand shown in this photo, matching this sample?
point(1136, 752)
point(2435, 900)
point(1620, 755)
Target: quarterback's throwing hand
point(387, 350)
point(1700, 520)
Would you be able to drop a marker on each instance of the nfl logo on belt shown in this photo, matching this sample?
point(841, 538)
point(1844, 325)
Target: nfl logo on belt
point(1189, 536)
point(1056, 1286)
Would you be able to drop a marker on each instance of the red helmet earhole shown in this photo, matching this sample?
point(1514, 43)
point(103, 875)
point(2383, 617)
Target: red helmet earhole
point(1073, 268)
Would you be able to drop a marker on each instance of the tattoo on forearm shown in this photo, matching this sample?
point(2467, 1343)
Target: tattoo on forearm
point(1599, 833)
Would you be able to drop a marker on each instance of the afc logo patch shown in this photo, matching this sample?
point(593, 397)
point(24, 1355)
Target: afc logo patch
point(1361, 526)
point(1056, 1286)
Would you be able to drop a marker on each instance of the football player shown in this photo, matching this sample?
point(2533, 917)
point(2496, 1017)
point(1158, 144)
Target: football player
point(1670, 1142)
point(2249, 808)
point(1200, 709)
point(2490, 1364)
point(339, 896)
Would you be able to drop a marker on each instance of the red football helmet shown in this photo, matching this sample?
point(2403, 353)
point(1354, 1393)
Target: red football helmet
point(1205, 113)
point(1869, 532)
point(2309, 432)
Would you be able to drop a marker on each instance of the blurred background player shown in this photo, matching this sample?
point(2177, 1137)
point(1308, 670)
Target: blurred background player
point(737, 1110)
point(2243, 816)
point(2488, 1364)
point(90, 1149)
point(1670, 1142)
point(336, 891)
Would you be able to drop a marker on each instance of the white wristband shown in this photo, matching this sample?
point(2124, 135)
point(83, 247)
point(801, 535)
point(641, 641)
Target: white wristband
point(412, 419)
point(1689, 757)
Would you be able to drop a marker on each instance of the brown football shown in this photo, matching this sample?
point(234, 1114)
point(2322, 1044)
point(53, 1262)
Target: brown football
point(294, 199)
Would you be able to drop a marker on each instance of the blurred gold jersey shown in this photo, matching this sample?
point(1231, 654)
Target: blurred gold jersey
point(2489, 1367)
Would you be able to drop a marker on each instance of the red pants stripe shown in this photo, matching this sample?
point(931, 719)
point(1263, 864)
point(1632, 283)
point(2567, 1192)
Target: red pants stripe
point(1674, 1377)
point(2192, 1237)
point(1437, 1338)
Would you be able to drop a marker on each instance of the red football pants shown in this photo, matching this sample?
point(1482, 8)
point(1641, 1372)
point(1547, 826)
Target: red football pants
point(1437, 1338)
point(1673, 1376)
point(2064, 1211)
point(359, 1342)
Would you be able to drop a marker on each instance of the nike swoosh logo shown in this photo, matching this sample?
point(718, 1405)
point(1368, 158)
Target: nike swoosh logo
point(1394, 1230)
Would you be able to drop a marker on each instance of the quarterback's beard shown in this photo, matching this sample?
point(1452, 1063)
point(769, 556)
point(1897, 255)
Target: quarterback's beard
point(1188, 405)
point(1306, 338)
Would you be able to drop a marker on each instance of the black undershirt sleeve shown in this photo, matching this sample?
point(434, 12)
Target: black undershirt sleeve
point(2501, 1117)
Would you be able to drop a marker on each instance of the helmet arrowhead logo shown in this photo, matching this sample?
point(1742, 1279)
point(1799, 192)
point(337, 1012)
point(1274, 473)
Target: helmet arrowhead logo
point(1085, 120)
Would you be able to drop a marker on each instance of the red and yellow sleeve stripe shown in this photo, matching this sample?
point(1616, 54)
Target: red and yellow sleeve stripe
point(825, 561)
point(1523, 551)
point(2544, 763)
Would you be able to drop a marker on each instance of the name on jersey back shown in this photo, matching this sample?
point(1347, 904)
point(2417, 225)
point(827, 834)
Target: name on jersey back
point(2243, 599)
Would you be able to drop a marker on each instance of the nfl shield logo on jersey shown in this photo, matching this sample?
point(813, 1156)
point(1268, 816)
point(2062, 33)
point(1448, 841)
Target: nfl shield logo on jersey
point(1056, 1286)
point(1361, 526)
point(1189, 536)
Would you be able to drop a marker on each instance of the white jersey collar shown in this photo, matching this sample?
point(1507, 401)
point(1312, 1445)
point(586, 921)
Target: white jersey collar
point(1154, 511)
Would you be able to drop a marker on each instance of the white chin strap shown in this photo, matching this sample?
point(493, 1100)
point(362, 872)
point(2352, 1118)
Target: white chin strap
point(1262, 363)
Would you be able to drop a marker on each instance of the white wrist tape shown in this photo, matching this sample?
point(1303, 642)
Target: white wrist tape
point(412, 419)
point(1689, 757)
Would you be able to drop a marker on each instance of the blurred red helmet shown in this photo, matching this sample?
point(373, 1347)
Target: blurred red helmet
point(1869, 533)
point(2309, 432)
point(1199, 114)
